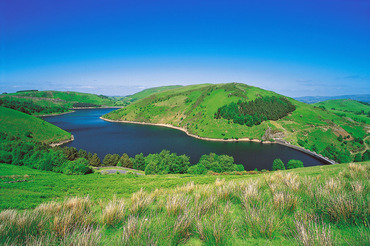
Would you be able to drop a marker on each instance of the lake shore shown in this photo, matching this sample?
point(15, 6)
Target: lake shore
point(56, 114)
point(281, 142)
point(62, 142)
point(189, 134)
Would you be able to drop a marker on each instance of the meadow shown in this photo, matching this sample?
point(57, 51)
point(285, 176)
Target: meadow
point(322, 205)
point(352, 109)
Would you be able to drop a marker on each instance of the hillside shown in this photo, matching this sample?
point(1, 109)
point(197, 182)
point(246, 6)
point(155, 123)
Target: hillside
point(316, 99)
point(322, 205)
point(193, 109)
point(25, 126)
point(144, 93)
point(352, 109)
point(65, 96)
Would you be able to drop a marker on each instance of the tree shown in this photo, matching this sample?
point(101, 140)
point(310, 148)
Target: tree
point(95, 161)
point(366, 155)
point(198, 169)
point(358, 157)
point(294, 164)
point(107, 160)
point(82, 154)
point(71, 153)
point(226, 163)
point(278, 165)
point(115, 159)
point(78, 166)
point(125, 161)
point(139, 162)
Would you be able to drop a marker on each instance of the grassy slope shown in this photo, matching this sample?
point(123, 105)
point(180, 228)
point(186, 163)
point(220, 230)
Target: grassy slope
point(250, 210)
point(48, 186)
point(147, 92)
point(348, 107)
point(193, 107)
point(67, 97)
point(16, 123)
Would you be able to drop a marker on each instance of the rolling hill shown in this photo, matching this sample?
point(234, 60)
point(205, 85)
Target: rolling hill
point(126, 100)
point(193, 108)
point(52, 102)
point(25, 126)
point(64, 96)
point(352, 109)
point(316, 99)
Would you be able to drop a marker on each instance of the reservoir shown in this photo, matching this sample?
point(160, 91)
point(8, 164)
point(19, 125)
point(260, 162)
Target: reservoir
point(98, 136)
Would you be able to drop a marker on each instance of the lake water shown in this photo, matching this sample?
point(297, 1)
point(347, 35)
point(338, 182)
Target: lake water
point(102, 137)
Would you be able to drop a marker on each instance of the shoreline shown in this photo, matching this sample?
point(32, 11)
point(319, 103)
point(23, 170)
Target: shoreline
point(190, 134)
point(62, 142)
point(281, 142)
point(56, 114)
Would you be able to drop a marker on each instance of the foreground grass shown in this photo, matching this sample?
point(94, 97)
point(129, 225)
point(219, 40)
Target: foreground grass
point(326, 205)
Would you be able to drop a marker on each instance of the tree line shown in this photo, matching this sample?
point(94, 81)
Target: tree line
point(40, 156)
point(255, 112)
point(29, 107)
point(166, 162)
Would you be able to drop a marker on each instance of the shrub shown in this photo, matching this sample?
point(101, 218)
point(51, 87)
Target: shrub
point(294, 164)
point(278, 165)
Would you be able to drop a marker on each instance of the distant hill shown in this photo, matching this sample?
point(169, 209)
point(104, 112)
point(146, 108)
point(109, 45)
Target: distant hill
point(355, 110)
point(193, 108)
point(314, 99)
point(25, 126)
point(144, 93)
point(65, 96)
point(48, 102)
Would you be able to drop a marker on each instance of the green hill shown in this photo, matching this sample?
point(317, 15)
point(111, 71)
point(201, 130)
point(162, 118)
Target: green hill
point(144, 93)
point(352, 109)
point(66, 96)
point(15, 123)
point(50, 102)
point(193, 109)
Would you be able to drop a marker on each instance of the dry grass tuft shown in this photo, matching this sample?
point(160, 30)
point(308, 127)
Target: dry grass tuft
point(311, 232)
point(285, 201)
point(176, 203)
point(292, 181)
point(114, 212)
point(333, 185)
point(140, 201)
point(219, 182)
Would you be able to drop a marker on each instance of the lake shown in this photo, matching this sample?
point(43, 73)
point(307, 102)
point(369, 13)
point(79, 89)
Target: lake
point(102, 137)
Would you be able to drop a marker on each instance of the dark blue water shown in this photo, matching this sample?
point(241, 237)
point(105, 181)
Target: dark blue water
point(101, 137)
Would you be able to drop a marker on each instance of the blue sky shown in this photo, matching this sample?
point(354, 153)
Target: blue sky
point(296, 48)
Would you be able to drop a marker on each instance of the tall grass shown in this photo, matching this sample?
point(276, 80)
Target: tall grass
point(280, 207)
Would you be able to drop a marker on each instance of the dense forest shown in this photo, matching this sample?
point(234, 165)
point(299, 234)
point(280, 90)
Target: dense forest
point(29, 107)
point(254, 112)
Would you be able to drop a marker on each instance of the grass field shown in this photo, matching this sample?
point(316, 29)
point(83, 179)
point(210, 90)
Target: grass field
point(348, 108)
point(193, 108)
point(28, 127)
point(322, 205)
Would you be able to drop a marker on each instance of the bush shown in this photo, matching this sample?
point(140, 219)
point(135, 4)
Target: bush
point(294, 164)
point(278, 165)
point(5, 157)
point(79, 166)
